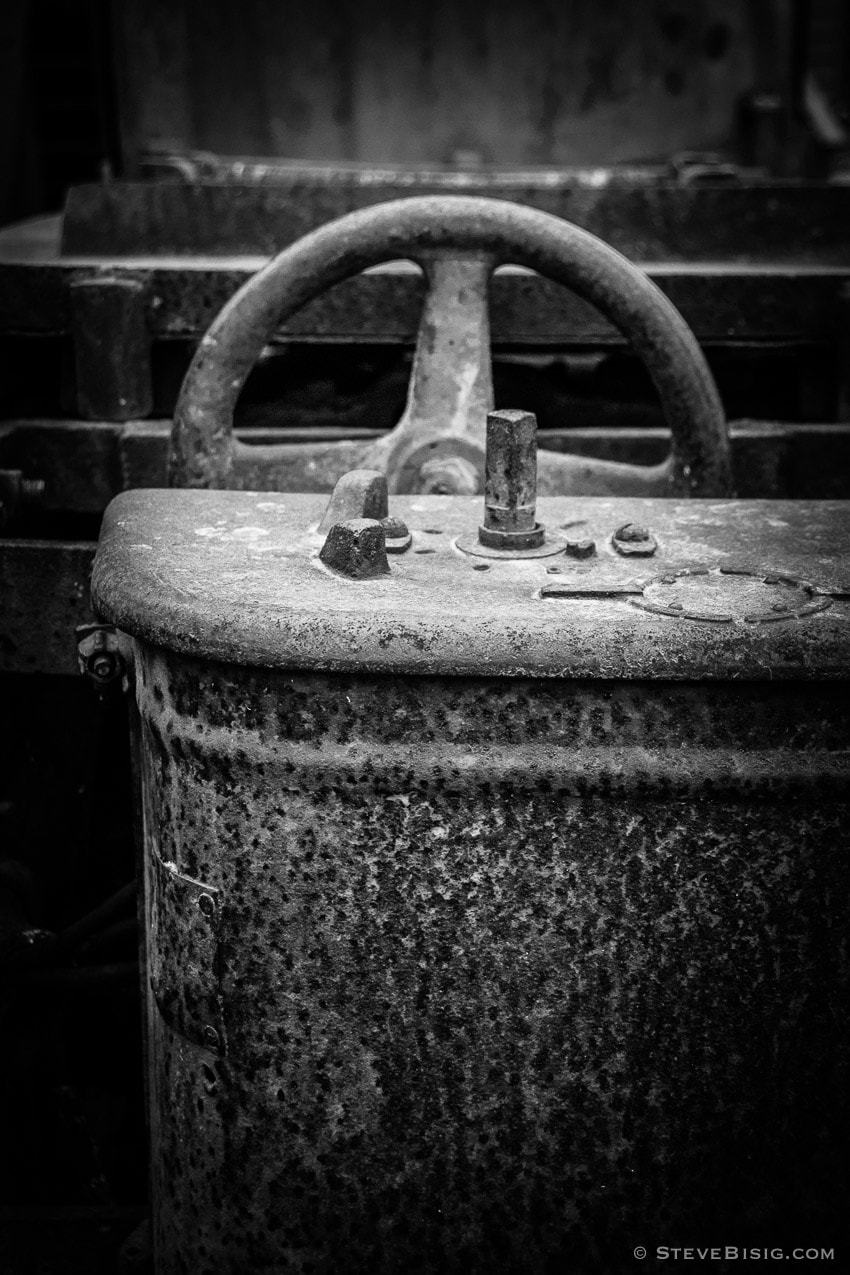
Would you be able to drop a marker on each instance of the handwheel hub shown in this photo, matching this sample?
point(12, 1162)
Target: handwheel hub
point(447, 466)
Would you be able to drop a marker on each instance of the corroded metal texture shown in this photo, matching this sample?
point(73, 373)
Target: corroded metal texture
point(236, 576)
point(426, 84)
point(512, 974)
point(524, 904)
point(205, 453)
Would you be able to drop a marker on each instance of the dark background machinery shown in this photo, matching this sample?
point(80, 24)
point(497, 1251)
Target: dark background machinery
point(187, 142)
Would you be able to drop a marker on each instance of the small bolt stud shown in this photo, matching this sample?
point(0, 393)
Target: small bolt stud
point(211, 1037)
point(396, 534)
point(581, 548)
point(206, 904)
point(103, 666)
point(510, 482)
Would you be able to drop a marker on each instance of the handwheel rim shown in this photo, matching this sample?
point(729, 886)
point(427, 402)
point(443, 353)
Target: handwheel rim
point(202, 447)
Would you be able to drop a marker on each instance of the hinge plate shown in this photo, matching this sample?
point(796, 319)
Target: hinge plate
point(185, 955)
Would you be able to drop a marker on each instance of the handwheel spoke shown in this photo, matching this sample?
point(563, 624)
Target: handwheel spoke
point(560, 474)
point(451, 382)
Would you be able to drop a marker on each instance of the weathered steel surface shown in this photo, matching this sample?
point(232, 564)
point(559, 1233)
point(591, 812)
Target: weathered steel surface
point(428, 80)
point(44, 595)
point(774, 222)
point(112, 355)
point(204, 453)
point(235, 576)
point(512, 970)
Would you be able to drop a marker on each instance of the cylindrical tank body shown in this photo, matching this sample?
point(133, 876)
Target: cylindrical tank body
point(505, 972)
point(483, 973)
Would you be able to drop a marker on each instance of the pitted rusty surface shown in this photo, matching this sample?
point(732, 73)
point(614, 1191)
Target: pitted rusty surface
point(236, 576)
point(511, 969)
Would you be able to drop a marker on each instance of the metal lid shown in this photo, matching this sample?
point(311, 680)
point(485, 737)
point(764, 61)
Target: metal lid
point(720, 589)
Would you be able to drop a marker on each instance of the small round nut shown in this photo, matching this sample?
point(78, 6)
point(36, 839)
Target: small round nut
point(396, 533)
point(631, 531)
point(634, 540)
point(103, 666)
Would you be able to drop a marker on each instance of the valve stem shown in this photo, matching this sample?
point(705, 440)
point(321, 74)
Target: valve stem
point(510, 482)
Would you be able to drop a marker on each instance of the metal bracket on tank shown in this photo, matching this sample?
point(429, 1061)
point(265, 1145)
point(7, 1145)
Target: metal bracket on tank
point(184, 963)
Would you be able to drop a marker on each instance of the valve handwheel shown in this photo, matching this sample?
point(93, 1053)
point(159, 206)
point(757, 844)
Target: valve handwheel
point(438, 445)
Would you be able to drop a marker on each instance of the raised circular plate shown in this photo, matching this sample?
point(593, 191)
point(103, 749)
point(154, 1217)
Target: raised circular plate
point(729, 595)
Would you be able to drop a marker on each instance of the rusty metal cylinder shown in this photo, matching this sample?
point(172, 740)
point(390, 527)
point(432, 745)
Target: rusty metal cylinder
point(493, 927)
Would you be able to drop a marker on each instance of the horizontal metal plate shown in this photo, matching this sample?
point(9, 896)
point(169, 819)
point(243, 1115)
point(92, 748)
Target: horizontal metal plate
point(725, 295)
point(650, 220)
point(721, 303)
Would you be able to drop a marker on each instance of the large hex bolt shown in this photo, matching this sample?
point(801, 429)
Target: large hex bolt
point(510, 482)
point(356, 548)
